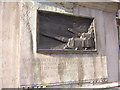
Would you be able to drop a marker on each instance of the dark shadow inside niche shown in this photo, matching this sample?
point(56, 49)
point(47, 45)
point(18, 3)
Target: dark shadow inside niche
point(63, 33)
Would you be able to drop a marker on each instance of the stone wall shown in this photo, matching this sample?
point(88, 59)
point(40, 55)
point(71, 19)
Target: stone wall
point(21, 65)
point(55, 69)
point(10, 42)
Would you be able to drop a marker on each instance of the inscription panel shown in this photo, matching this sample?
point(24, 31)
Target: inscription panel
point(56, 70)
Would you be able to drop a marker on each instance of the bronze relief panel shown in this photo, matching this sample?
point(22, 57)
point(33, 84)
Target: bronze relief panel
point(64, 33)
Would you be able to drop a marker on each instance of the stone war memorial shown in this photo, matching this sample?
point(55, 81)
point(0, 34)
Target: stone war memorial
point(58, 44)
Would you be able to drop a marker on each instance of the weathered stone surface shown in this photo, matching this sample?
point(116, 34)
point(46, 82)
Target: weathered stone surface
point(1, 6)
point(84, 66)
point(21, 65)
point(111, 46)
point(26, 49)
point(10, 30)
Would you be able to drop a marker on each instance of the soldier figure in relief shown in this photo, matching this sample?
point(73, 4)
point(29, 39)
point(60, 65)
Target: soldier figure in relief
point(82, 41)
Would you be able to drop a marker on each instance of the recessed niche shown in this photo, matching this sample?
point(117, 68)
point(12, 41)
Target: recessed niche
point(63, 33)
